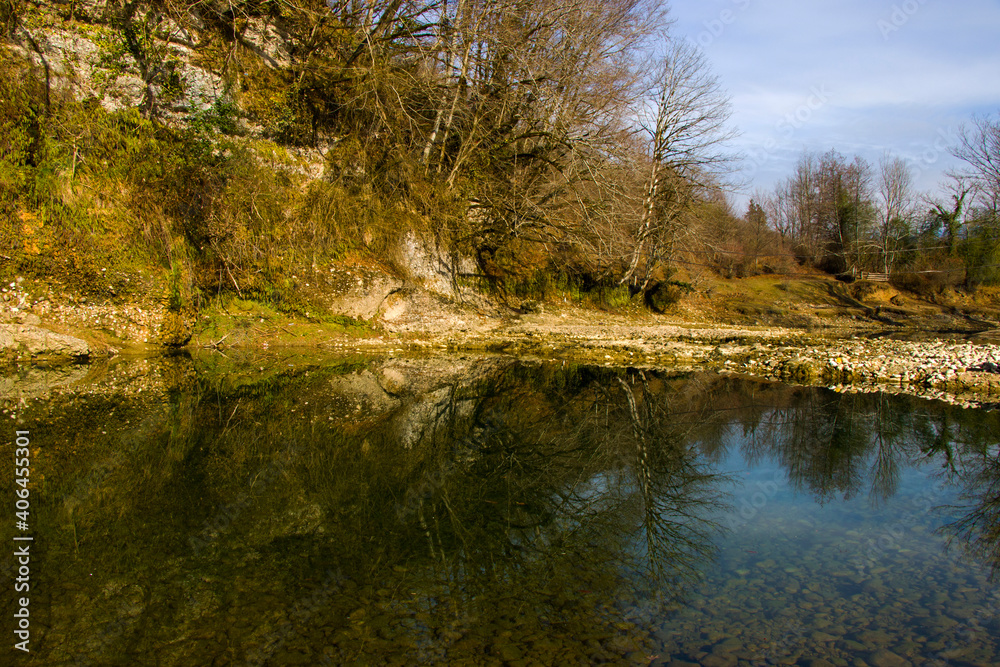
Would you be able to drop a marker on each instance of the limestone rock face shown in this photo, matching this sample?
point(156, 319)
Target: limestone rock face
point(359, 292)
point(421, 288)
point(419, 310)
point(20, 340)
point(78, 64)
point(431, 268)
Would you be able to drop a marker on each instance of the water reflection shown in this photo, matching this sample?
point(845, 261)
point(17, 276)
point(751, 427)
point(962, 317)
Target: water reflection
point(978, 529)
point(482, 511)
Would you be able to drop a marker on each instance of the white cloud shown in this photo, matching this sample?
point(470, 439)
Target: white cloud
point(899, 74)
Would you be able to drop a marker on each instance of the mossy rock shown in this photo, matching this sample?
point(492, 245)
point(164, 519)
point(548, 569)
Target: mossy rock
point(799, 370)
point(176, 328)
point(530, 308)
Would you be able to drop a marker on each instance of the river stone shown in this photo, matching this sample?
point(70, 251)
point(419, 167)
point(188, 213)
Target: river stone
point(509, 652)
point(875, 638)
point(714, 635)
point(885, 658)
point(731, 644)
point(296, 658)
point(723, 659)
point(938, 624)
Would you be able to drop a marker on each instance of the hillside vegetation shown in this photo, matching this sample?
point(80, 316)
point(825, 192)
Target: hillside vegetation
point(183, 152)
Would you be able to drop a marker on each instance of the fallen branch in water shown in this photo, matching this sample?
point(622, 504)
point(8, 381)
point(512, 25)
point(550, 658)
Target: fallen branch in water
point(216, 344)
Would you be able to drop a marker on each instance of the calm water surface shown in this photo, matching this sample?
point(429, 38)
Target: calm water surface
point(294, 511)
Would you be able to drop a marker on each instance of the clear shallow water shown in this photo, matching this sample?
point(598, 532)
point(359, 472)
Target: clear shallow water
point(463, 511)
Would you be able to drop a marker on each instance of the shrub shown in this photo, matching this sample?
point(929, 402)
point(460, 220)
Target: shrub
point(662, 295)
point(929, 276)
point(862, 289)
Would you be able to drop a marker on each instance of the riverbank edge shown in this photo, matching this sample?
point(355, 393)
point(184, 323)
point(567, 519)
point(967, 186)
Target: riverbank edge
point(933, 369)
point(854, 359)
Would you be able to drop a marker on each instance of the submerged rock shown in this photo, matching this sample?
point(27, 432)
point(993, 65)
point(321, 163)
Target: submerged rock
point(886, 658)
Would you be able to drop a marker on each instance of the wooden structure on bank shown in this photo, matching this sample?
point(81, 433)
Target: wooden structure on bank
point(854, 274)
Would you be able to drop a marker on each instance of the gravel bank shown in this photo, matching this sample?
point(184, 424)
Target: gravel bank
point(964, 372)
point(961, 372)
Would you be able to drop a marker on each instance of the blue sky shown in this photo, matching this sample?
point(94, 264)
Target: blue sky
point(860, 76)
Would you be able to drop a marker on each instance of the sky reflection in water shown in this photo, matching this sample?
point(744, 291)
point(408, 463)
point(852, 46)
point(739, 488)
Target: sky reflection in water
point(485, 511)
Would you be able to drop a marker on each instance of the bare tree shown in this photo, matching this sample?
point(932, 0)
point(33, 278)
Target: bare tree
point(859, 213)
point(895, 202)
point(686, 126)
point(844, 207)
point(827, 210)
point(778, 211)
point(796, 203)
point(979, 148)
point(757, 229)
point(533, 107)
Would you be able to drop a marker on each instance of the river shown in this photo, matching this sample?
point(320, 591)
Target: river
point(293, 510)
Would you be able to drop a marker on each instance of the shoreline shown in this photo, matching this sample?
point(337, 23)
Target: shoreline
point(960, 372)
point(956, 364)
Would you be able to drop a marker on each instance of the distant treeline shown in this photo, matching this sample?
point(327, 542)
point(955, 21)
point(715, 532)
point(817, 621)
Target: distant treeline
point(851, 216)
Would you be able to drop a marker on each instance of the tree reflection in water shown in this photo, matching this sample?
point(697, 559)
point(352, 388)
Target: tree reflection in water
point(470, 512)
point(978, 531)
point(573, 503)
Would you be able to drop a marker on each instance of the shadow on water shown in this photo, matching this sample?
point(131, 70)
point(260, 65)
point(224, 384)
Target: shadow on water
point(473, 511)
